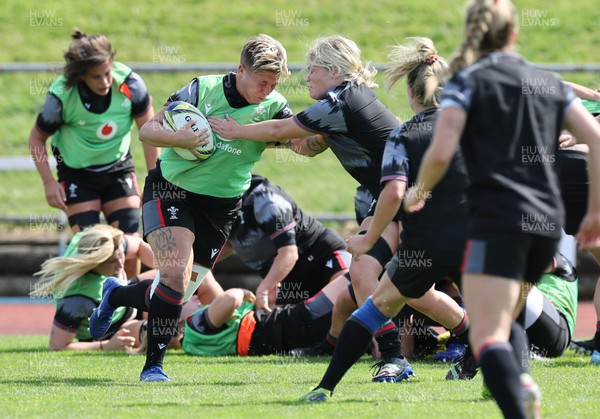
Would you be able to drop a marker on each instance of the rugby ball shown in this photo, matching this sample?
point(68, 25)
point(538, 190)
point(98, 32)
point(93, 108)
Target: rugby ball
point(180, 113)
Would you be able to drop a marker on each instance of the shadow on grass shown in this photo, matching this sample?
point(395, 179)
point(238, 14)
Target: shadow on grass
point(88, 382)
point(69, 381)
point(24, 350)
point(556, 363)
point(231, 404)
point(262, 360)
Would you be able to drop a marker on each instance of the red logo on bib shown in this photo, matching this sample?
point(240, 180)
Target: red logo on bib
point(107, 130)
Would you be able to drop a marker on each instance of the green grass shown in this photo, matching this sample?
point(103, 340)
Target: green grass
point(203, 31)
point(39, 383)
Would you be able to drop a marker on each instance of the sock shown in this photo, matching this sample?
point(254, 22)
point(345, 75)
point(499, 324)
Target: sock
point(460, 331)
point(319, 305)
point(163, 319)
point(502, 377)
point(353, 342)
point(520, 345)
point(597, 336)
point(331, 340)
point(388, 341)
point(135, 296)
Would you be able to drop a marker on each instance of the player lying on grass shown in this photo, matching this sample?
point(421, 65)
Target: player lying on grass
point(548, 317)
point(231, 325)
point(75, 282)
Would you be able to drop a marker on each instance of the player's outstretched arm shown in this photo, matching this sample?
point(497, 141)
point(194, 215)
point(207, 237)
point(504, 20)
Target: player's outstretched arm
point(266, 131)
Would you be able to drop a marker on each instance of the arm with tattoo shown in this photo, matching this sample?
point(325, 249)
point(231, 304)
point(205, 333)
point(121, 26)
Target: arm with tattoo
point(308, 146)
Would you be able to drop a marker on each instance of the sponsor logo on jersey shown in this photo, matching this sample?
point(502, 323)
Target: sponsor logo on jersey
point(329, 264)
point(207, 108)
point(173, 211)
point(162, 346)
point(221, 144)
point(107, 130)
point(213, 253)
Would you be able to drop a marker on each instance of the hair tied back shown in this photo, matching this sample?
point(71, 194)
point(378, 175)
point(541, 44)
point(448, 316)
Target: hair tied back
point(432, 59)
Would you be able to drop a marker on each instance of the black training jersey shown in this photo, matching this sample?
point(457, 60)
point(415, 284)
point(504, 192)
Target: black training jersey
point(355, 125)
point(189, 93)
point(515, 115)
point(50, 118)
point(287, 327)
point(270, 219)
point(447, 203)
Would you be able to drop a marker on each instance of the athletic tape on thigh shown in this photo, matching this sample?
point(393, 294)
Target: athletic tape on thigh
point(84, 219)
point(351, 291)
point(126, 219)
point(381, 251)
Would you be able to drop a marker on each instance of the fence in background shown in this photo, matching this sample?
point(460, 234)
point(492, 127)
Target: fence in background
point(11, 165)
point(222, 67)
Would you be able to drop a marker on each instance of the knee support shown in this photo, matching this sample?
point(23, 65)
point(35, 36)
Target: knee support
point(84, 219)
point(381, 251)
point(125, 219)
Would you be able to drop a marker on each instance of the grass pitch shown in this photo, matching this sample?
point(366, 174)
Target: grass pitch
point(39, 383)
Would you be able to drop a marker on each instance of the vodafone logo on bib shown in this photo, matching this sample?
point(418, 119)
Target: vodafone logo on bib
point(107, 130)
point(221, 144)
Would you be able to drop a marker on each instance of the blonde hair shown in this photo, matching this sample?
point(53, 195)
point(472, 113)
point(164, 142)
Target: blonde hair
point(488, 27)
point(84, 53)
point(263, 53)
point(94, 245)
point(335, 51)
point(418, 61)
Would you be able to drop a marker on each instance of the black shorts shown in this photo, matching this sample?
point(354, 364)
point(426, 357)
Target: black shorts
point(286, 328)
point(314, 268)
point(83, 185)
point(414, 271)
point(512, 255)
point(208, 217)
point(574, 183)
point(548, 339)
point(371, 211)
